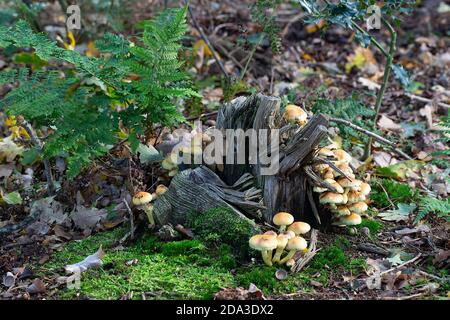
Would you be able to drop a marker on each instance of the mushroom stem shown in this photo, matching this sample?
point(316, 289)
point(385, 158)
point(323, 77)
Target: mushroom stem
point(278, 253)
point(289, 256)
point(267, 257)
point(282, 228)
point(149, 212)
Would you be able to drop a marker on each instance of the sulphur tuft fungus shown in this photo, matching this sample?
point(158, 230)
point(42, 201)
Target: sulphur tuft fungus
point(160, 190)
point(358, 207)
point(282, 241)
point(331, 198)
point(350, 220)
point(299, 228)
point(295, 244)
point(142, 198)
point(283, 219)
point(264, 243)
point(295, 115)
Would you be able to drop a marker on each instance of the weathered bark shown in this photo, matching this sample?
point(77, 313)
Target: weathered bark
point(290, 189)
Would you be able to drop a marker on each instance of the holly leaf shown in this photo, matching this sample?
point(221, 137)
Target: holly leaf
point(400, 214)
point(401, 75)
point(148, 154)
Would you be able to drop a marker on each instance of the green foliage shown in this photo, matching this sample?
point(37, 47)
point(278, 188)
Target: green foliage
point(175, 248)
point(84, 105)
point(350, 109)
point(428, 205)
point(443, 155)
point(223, 226)
point(266, 19)
point(162, 268)
point(373, 225)
point(397, 192)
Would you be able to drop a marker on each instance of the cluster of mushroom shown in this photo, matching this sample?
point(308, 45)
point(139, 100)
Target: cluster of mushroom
point(288, 239)
point(348, 201)
point(190, 146)
point(295, 115)
point(142, 200)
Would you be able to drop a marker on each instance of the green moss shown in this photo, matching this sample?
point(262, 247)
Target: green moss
point(373, 225)
point(398, 192)
point(173, 270)
point(222, 226)
point(264, 278)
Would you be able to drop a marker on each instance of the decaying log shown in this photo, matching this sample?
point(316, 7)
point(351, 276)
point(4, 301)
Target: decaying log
point(201, 189)
point(243, 187)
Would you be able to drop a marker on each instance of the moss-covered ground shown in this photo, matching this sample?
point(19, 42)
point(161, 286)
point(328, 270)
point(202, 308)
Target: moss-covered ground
point(185, 269)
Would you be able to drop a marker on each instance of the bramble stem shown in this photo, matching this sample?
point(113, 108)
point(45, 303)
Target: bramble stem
point(387, 72)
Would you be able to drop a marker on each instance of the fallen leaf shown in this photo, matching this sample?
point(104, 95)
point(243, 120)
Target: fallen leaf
point(87, 218)
point(387, 124)
point(92, 261)
point(400, 170)
point(400, 214)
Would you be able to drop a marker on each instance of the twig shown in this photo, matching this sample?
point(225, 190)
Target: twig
point(313, 205)
point(47, 169)
point(205, 38)
point(404, 297)
point(371, 134)
point(426, 100)
point(401, 265)
point(371, 248)
point(303, 260)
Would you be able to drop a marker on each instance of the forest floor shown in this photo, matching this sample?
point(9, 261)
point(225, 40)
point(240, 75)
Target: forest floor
point(392, 256)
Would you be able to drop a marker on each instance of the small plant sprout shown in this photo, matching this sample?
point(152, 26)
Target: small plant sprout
point(264, 243)
point(295, 115)
point(283, 219)
point(295, 244)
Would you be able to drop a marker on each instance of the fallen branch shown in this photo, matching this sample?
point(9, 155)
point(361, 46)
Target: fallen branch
point(206, 39)
point(426, 100)
point(373, 135)
point(401, 265)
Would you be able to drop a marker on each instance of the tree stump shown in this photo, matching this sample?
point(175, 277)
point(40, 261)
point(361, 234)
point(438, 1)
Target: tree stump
point(242, 186)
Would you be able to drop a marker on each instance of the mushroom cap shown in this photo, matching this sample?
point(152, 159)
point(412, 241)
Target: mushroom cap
point(321, 167)
point(270, 232)
point(342, 210)
point(355, 196)
point(349, 183)
point(350, 220)
point(331, 198)
point(290, 262)
point(282, 240)
point(283, 219)
point(294, 114)
point(326, 152)
point(342, 156)
point(289, 233)
point(141, 198)
point(329, 174)
point(263, 242)
point(167, 164)
point(344, 167)
point(336, 185)
point(296, 243)
point(299, 227)
point(365, 188)
point(161, 189)
point(358, 207)
point(319, 189)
